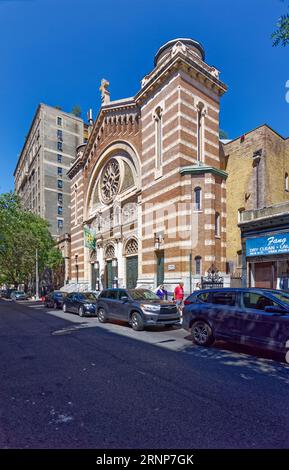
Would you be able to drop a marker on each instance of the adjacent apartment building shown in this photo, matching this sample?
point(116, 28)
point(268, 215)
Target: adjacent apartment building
point(40, 175)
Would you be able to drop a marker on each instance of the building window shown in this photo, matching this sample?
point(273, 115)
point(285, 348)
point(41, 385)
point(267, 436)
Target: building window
point(75, 204)
point(286, 182)
point(217, 224)
point(59, 158)
point(59, 171)
point(59, 121)
point(60, 224)
point(60, 198)
point(59, 135)
point(200, 131)
point(158, 137)
point(60, 184)
point(198, 199)
point(59, 146)
point(59, 210)
point(198, 260)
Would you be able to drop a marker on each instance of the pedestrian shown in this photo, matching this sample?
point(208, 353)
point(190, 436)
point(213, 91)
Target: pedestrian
point(197, 286)
point(161, 292)
point(179, 297)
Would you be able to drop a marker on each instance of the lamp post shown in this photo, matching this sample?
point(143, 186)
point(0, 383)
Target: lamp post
point(76, 268)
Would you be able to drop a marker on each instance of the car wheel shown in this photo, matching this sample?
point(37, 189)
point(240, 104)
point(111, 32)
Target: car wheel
point(202, 333)
point(102, 315)
point(137, 322)
point(81, 311)
point(64, 308)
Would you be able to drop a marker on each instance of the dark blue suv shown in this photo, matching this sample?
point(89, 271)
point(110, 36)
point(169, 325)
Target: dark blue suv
point(251, 316)
point(138, 307)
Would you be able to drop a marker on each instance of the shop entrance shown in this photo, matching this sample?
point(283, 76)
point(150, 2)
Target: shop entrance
point(264, 274)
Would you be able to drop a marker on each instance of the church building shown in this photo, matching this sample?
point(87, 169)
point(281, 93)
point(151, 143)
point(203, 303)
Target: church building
point(148, 189)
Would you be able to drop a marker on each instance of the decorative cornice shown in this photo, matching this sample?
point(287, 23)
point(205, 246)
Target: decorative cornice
point(177, 62)
point(186, 170)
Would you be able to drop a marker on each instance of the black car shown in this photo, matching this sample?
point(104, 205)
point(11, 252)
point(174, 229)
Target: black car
point(83, 303)
point(138, 307)
point(55, 299)
point(251, 316)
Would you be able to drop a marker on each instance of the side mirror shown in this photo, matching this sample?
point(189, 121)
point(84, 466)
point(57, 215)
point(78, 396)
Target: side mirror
point(274, 309)
point(124, 298)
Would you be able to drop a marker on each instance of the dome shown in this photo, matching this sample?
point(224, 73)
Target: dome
point(191, 43)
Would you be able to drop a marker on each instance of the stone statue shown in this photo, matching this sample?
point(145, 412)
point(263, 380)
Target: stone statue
point(105, 94)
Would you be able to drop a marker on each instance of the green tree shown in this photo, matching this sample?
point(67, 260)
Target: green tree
point(21, 233)
point(76, 110)
point(281, 35)
point(223, 134)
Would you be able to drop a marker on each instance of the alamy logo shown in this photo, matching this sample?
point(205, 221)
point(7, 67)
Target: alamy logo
point(287, 94)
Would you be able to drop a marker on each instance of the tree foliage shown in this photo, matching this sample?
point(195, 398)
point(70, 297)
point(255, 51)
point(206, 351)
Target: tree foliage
point(21, 233)
point(76, 110)
point(281, 35)
point(223, 134)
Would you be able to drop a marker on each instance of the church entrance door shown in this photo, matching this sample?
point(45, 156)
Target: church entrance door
point(160, 267)
point(131, 272)
point(108, 275)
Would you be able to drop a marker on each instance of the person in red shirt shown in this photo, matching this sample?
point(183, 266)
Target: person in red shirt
point(179, 296)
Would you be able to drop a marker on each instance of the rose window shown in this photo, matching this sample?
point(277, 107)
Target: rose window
point(110, 181)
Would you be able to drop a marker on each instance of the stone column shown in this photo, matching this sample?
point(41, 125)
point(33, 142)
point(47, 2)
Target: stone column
point(101, 261)
point(120, 263)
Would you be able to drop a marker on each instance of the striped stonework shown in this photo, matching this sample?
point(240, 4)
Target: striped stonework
point(150, 176)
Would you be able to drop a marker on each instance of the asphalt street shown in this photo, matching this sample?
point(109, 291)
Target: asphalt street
point(70, 382)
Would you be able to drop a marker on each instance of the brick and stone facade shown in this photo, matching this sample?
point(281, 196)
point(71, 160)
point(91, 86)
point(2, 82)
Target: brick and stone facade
point(150, 184)
point(257, 164)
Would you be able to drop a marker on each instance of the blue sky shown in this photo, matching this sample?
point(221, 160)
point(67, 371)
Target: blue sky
point(57, 51)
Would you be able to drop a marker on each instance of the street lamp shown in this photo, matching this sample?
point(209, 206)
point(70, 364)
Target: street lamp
point(76, 267)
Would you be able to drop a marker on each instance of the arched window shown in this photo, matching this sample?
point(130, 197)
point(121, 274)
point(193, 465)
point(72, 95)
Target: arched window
point(198, 198)
point(109, 252)
point(75, 204)
point(158, 137)
point(200, 130)
point(286, 182)
point(198, 261)
point(217, 224)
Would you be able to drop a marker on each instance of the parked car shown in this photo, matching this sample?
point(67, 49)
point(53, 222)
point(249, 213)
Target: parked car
point(55, 299)
point(138, 307)
point(258, 317)
point(18, 295)
point(8, 293)
point(83, 303)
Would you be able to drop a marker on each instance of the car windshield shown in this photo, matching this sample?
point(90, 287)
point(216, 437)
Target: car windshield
point(59, 294)
point(89, 296)
point(143, 294)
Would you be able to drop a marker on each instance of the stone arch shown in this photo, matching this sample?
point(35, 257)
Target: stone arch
point(131, 247)
point(109, 251)
point(126, 151)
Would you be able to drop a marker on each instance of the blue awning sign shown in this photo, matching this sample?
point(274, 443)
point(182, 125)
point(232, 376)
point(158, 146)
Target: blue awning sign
point(270, 245)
